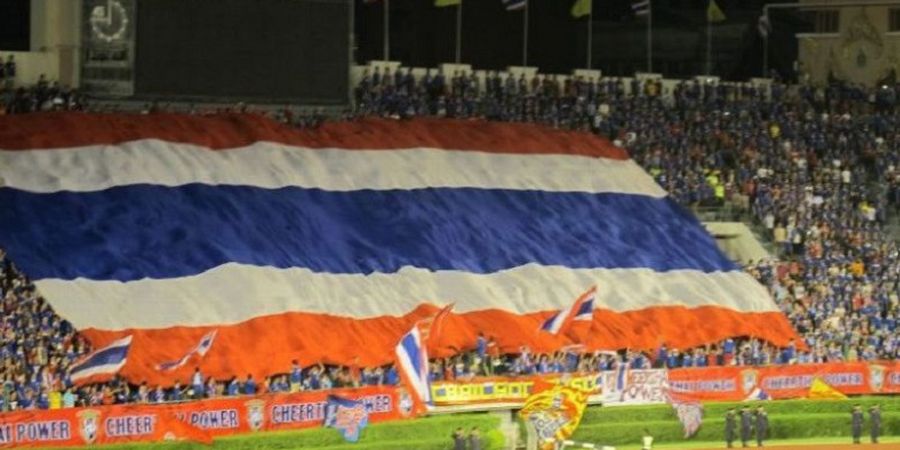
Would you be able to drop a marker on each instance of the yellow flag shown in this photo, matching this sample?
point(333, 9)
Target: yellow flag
point(554, 410)
point(820, 390)
point(581, 8)
point(442, 3)
point(714, 14)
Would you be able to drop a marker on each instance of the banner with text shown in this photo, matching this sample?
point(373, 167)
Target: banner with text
point(736, 383)
point(627, 387)
point(197, 421)
point(706, 384)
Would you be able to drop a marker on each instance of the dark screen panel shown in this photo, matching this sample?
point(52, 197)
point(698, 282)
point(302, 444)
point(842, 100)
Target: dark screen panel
point(290, 50)
point(15, 25)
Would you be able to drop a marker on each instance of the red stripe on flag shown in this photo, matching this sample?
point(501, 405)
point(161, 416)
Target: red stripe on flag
point(70, 129)
point(267, 345)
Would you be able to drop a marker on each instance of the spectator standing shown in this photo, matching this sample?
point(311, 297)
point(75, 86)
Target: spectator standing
point(296, 376)
point(234, 387)
point(250, 385)
point(197, 383)
point(9, 71)
point(68, 399)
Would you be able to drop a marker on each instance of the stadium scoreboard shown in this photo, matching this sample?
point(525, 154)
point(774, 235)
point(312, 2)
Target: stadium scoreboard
point(274, 50)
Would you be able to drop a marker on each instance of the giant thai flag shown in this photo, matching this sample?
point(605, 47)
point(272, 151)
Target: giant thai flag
point(328, 244)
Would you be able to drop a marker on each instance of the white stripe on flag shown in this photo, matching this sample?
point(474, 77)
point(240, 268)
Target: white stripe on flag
point(270, 165)
point(520, 290)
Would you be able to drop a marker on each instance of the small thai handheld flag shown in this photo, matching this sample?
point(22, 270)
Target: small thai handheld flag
point(347, 416)
point(641, 8)
point(104, 362)
point(512, 5)
point(582, 309)
point(412, 364)
point(757, 394)
point(200, 350)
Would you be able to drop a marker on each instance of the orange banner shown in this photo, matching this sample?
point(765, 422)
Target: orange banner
point(196, 421)
point(736, 383)
point(103, 425)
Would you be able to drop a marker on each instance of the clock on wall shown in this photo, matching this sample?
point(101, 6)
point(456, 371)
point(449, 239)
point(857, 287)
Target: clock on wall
point(109, 21)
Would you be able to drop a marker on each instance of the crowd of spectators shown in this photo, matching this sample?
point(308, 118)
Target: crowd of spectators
point(816, 168)
point(43, 95)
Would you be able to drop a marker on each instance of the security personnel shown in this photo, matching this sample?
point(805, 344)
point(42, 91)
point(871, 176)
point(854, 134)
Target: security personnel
point(762, 425)
point(746, 426)
point(730, 427)
point(857, 423)
point(875, 418)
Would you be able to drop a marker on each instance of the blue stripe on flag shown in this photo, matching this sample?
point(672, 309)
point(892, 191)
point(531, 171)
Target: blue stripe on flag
point(139, 231)
point(412, 349)
point(586, 308)
point(110, 356)
point(548, 324)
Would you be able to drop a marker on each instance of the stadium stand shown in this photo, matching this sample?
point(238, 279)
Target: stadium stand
point(815, 168)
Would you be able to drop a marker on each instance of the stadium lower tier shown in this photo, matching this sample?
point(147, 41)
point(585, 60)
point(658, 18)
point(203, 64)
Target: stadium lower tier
point(219, 417)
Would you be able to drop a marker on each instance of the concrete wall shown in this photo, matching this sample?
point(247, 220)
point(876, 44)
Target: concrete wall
point(863, 51)
point(55, 43)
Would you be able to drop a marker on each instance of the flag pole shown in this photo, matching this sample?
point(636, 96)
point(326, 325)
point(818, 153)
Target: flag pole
point(765, 62)
point(590, 35)
point(386, 50)
point(525, 35)
point(650, 36)
point(708, 45)
point(459, 7)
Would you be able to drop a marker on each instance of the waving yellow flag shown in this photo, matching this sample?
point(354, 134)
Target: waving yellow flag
point(714, 14)
point(820, 390)
point(554, 410)
point(581, 8)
